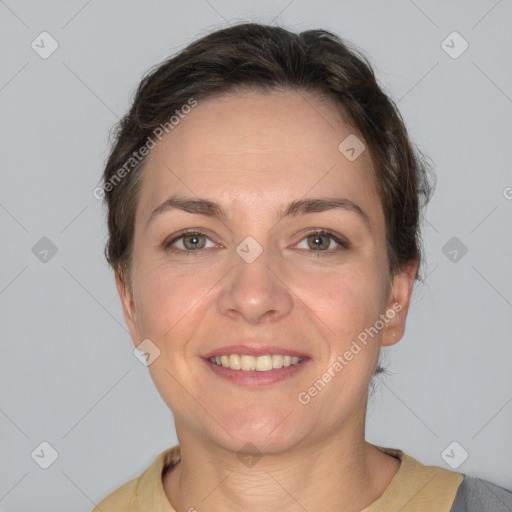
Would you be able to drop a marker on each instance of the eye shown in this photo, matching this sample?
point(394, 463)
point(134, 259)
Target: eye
point(190, 242)
point(320, 241)
point(194, 241)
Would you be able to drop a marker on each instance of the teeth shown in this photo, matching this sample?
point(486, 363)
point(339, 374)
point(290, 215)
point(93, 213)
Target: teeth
point(259, 363)
point(247, 363)
point(277, 361)
point(234, 362)
point(264, 363)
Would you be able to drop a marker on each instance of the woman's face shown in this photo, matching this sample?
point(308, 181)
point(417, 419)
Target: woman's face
point(266, 282)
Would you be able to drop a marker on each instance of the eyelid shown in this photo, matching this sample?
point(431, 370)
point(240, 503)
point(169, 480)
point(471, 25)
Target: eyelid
point(189, 231)
point(338, 238)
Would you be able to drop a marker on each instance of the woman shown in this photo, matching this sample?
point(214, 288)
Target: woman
point(264, 205)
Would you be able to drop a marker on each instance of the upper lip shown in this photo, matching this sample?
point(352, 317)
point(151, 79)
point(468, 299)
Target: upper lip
point(256, 349)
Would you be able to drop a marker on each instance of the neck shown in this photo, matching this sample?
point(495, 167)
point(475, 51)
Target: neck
point(336, 474)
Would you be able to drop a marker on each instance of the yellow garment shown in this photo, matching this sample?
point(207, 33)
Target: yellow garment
point(414, 488)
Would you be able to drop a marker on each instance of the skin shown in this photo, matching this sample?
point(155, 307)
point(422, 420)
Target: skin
point(254, 153)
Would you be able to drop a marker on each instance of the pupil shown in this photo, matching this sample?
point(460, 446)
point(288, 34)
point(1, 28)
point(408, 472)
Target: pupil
point(318, 240)
point(193, 241)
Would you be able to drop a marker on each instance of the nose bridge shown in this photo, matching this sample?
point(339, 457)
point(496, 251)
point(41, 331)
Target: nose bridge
point(253, 288)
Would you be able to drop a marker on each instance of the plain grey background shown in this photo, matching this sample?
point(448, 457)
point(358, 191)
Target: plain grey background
point(68, 375)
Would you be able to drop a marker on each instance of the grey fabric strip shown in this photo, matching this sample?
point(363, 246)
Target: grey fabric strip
point(477, 495)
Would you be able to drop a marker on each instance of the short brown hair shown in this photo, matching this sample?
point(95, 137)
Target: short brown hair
point(262, 57)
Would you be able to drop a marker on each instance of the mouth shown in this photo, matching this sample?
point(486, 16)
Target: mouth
point(262, 363)
point(256, 371)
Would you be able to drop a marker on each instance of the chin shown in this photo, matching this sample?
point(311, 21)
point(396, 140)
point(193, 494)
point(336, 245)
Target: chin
point(258, 434)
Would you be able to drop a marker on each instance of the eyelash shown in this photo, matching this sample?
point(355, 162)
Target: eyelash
point(343, 245)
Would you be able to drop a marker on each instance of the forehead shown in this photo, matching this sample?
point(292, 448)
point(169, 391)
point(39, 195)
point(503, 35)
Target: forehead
point(263, 147)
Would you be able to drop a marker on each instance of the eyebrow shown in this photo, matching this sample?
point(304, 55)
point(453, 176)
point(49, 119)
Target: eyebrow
point(209, 208)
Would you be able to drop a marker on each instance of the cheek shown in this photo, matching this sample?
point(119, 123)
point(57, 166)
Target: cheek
point(169, 301)
point(347, 300)
point(349, 305)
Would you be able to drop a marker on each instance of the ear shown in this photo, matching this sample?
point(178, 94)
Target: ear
point(398, 304)
point(130, 315)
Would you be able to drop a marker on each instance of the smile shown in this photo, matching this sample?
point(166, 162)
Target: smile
point(259, 363)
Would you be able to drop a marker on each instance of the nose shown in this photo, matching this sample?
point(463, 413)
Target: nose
point(255, 290)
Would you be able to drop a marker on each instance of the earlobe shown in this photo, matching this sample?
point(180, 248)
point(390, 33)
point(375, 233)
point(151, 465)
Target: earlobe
point(398, 306)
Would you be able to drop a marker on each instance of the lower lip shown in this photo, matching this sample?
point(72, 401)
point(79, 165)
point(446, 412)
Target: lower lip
point(254, 378)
